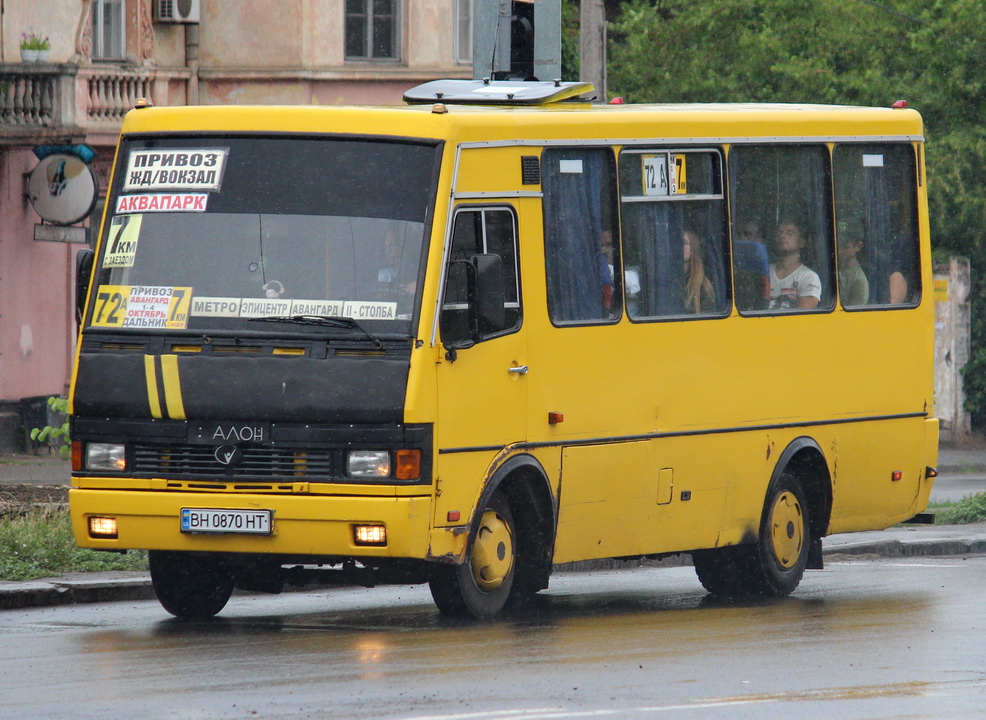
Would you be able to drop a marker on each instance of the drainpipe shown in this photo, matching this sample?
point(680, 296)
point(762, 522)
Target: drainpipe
point(192, 62)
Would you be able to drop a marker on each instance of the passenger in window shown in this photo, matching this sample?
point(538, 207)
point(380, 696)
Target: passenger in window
point(751, 268)
point(854, 288)
point(793, 285)
point(631, 278)
point(700, 296)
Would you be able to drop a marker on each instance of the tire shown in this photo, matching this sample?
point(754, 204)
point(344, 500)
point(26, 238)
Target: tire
point(190, 585)
point(482, 585)
point(775, 564)
point(724, 572)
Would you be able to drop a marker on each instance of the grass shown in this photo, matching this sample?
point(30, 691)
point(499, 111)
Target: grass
point(40, 544)
point(968, 510)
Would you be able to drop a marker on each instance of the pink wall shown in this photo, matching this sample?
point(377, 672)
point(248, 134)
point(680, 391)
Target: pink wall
point(37, 326)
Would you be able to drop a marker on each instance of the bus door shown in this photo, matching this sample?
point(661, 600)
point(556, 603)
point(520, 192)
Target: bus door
point(482, 384)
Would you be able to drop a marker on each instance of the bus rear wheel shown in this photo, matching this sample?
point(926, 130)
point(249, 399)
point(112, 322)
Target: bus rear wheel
point(190, 585)
point(775, 564)
point(482, 585)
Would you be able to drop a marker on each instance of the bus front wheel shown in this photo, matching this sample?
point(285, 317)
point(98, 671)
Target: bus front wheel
point(775, 564)
point(190, 585)
point(482, 585)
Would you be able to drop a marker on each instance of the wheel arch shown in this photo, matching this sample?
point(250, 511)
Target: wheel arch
point(524, 483)
point(804, 458)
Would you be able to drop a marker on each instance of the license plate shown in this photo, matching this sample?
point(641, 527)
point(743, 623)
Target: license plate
point(214, 520)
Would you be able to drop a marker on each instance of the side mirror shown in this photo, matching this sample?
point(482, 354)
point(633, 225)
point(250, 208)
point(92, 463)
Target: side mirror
point(474, 298)
point(83, 269)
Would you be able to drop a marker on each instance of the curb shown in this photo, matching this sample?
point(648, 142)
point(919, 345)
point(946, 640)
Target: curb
point(80, 590)
point(43, 593)
point(918, 548)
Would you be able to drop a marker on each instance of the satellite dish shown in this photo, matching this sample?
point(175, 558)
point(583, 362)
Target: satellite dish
point(63, 189)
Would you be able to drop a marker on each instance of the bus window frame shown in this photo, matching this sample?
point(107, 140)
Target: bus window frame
point(718, 151)
point(916, 158)
point(448, 259)
point(612, 153)
point(829, 203)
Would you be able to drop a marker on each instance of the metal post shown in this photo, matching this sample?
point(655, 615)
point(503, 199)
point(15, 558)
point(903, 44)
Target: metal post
point(547, 39)
point(592, 55)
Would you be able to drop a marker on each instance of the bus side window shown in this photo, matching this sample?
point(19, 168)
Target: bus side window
point(780, 197)
point(479, 231)
point(673, 215)
point(580, 240)
point(876, 223)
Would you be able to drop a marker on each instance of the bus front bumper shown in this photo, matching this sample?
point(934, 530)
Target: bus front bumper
point(310, 525)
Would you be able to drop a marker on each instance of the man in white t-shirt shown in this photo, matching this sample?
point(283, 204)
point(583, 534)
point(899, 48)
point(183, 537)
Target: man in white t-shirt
point(793, 286)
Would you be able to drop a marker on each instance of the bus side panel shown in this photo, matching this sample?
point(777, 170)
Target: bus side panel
point(655, 496)
point(866, 495)
point(608, 502)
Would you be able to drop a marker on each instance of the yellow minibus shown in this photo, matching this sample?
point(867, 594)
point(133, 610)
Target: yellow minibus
point(500, 328)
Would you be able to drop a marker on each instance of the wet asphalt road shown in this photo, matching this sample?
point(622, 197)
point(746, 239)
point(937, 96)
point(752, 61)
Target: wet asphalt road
point(868, 639)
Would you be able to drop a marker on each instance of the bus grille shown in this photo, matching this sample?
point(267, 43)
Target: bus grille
point(260, 463)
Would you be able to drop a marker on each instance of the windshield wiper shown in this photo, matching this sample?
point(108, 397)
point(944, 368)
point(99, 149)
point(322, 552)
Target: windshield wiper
point(323, 321)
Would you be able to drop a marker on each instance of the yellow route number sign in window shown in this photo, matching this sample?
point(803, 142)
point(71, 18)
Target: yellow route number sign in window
point(142, 306)
point(664, 174)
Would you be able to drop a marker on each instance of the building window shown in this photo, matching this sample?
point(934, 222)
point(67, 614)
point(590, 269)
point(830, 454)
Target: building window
point(463, 31)
point(372, 30)
point(108, 29)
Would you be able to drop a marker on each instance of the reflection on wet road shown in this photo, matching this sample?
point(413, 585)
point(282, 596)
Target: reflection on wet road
point(858, 640)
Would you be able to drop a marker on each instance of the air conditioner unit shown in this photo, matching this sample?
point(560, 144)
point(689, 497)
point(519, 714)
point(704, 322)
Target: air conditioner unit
point(177, 11)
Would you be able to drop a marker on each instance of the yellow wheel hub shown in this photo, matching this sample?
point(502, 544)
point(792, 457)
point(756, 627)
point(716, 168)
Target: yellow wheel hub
point(492, 552)
point(787, 529)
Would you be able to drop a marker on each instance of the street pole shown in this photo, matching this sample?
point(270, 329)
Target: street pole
point(592, 53)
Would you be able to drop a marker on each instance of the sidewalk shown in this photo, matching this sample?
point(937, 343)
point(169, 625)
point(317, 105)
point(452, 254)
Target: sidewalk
point(34, 470)
point(896, 542)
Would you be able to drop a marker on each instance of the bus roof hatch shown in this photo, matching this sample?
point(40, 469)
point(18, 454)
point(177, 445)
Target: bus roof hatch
point(495, 92)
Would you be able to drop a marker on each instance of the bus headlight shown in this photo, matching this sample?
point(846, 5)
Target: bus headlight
point(368, 464)
point(110, 457)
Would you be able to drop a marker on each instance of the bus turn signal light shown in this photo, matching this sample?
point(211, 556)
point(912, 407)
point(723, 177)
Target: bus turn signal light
point(76, 455)
point(408, 465)
point(555, 417)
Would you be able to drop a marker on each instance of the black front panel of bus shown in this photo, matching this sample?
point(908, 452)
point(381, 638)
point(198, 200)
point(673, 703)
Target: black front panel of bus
point(338, 388)
point(251, 455)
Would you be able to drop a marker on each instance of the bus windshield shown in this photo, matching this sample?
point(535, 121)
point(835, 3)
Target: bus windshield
point(211, 233)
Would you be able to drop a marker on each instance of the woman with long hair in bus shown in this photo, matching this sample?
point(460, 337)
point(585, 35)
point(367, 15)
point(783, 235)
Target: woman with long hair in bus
point(700, 296)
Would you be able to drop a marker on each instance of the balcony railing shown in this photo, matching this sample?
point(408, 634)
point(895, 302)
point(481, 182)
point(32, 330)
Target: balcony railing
point(78, 98)
point(34, 95)
point(111, 93)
